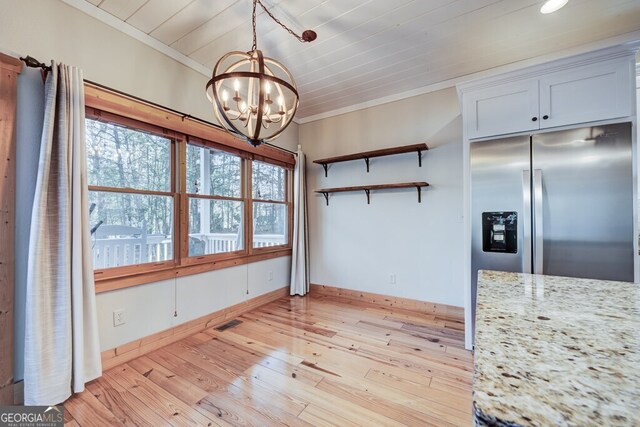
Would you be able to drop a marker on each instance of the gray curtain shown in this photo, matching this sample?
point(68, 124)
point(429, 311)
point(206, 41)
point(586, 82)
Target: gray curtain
point(62, 350)
point(299, 256)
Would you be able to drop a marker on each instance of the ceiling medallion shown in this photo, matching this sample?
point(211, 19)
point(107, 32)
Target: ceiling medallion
point(254, 96)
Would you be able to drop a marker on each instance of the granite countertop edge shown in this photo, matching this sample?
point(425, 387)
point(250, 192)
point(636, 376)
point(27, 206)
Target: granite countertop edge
point(484, 420)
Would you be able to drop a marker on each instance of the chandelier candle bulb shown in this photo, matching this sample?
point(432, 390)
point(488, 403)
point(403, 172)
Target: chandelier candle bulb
point(281, 102)
point(267, 89)
point(225, 98)
point(236, 91)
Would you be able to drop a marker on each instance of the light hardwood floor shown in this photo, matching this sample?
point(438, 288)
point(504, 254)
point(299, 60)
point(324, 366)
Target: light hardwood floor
point(316, 360)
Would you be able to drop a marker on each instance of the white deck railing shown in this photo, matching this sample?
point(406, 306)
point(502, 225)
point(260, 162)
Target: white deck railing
point(119, 251)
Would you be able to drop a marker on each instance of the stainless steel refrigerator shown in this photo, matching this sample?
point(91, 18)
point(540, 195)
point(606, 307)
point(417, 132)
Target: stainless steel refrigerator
point(558, 203)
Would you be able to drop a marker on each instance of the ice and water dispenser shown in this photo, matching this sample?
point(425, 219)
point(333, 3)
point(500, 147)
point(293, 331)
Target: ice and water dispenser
point(500, 232)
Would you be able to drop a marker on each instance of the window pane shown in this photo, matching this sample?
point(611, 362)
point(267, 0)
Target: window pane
point(268, 181)
point(130, 228)
point(213, 172)
point(215, 226)
point(126, 158)
point(269, 224)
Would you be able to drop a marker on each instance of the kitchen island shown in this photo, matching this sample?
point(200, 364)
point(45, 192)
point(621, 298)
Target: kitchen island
point(556, 351)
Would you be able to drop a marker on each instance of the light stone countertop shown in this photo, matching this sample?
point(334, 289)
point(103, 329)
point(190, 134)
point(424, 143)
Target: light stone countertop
point(556, 351)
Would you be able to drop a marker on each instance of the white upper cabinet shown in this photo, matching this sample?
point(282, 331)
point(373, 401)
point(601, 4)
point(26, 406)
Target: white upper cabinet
point(504, 109)
point(587, 88)
point(597, 92)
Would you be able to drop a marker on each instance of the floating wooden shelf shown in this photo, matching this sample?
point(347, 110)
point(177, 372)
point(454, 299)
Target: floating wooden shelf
point(419, 148)
point(367, 189)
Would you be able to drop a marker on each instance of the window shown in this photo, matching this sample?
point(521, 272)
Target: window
point(270, 207)
point(172, 196)
point(215, 201)
point(130, 194)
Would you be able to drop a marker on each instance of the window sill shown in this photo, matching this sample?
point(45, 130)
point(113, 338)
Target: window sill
point(265, 249)
point(107, 284)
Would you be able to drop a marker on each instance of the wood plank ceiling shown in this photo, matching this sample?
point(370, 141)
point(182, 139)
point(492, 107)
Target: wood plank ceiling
point(371, 49)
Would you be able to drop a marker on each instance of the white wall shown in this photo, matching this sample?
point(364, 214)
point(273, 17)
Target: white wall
point(357, 246)
point(150, 308)
point(48, 29)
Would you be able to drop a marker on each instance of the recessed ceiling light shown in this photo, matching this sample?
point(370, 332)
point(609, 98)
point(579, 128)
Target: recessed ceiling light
point(551, 6)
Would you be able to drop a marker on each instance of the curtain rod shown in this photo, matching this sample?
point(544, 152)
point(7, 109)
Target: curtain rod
point(34, 63)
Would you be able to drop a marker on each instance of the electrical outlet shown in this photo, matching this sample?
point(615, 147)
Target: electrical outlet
point(392, 278)
point(270, 276)
point(119, 317)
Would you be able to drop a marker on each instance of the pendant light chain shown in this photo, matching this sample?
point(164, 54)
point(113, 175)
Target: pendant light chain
point(255, 37)
point(305, 37)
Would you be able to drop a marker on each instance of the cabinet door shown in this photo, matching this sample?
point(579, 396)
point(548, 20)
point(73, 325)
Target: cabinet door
point(503, 109)
point(587, 94)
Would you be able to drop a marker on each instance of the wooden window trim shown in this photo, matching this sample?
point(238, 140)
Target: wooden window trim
point(272, 162)
point(287, 245)
point(127, 190)
point(132, 269)
point(148, 267)
point(105, 105)
point(221, 256)
point(120, 282)
point(215, 146)
point(9, 68)
point(119, 120)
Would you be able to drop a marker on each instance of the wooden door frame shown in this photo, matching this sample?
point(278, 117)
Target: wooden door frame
point(9, 69)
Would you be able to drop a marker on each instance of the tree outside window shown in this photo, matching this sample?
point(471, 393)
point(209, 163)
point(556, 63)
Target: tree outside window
point(216, 203)
point(270, 215)
point(131, 203)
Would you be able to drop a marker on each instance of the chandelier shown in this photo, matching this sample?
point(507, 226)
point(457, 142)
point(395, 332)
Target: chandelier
point(254, 96)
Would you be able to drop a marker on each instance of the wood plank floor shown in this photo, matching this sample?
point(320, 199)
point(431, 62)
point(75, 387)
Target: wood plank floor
point(319, 361)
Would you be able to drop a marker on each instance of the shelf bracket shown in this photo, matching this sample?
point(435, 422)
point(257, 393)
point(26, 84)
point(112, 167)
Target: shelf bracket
point(419, 158)
point(326, 197)
point(366, 160)
point(419, 193)
point(325, 167)
point(366, 190)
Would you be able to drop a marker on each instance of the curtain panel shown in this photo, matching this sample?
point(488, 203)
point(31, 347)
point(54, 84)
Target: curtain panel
point(62, 350)
point(299, 256)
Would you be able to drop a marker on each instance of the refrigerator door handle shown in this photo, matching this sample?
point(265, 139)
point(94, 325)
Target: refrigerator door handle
point(537, 222)
point(526, 221)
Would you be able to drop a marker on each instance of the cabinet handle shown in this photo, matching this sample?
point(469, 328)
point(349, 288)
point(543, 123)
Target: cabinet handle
point(534, 119)
point(545, 117)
